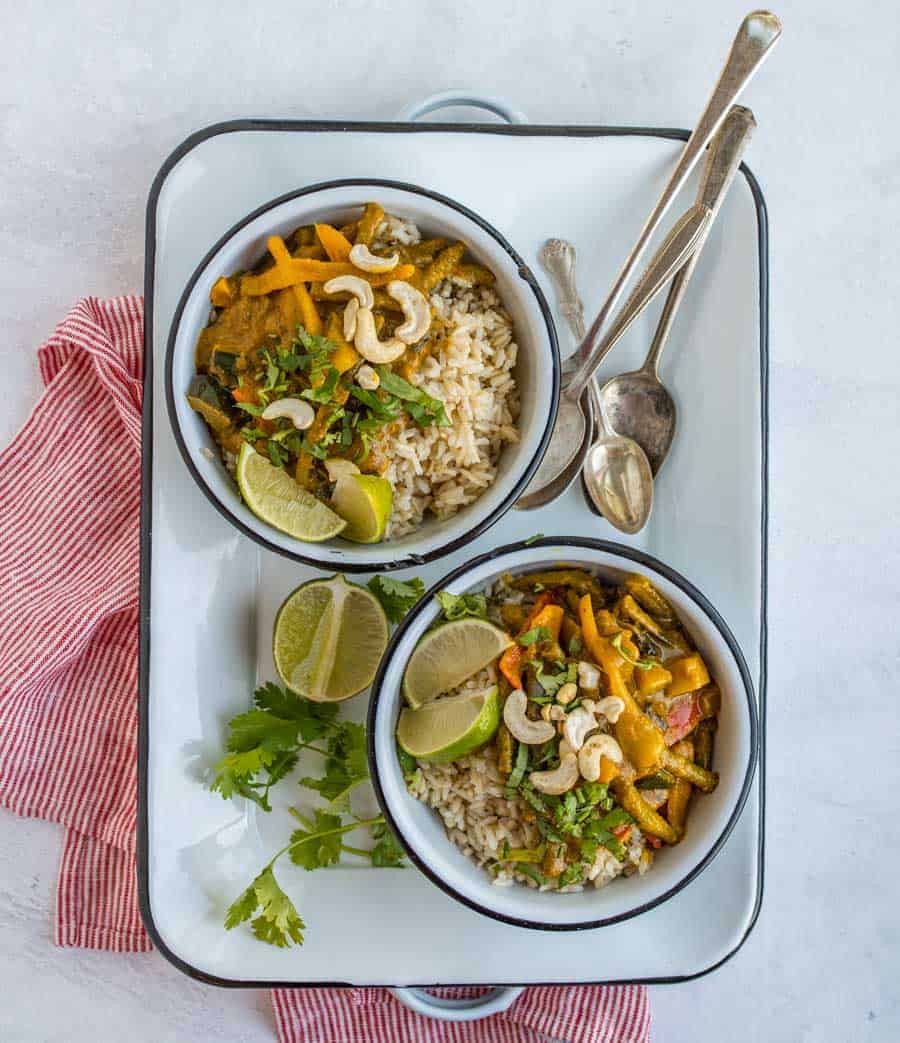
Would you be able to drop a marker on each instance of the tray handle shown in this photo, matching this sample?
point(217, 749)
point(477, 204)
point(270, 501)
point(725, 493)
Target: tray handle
point(461, 97)
point(494, 1002)
point(497, 1000)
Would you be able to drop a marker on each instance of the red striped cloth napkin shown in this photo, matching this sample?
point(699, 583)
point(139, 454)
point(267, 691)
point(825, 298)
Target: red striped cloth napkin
point(68, 690)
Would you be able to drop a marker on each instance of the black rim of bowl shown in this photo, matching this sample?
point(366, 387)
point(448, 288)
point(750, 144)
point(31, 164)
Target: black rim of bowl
point(640, 558)
point(408, 560)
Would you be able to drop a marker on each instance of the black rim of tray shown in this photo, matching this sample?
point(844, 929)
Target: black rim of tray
point(518, 130)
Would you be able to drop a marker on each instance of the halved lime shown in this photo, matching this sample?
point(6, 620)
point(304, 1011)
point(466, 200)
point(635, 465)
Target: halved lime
point(449, 655)
point(329, 638)
point(364, 501)
point(276, 498)
point(446, 729)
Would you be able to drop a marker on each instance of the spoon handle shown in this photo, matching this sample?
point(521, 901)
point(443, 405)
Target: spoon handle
point(755, 38)
point(671, 255)
point(722, 162)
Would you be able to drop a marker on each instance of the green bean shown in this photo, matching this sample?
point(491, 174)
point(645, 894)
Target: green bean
point(442, 267)
point(682, 768)
point(710, 701)
point(677, 805)
point(648, 820)
point(505, 745)
point(633, 611)
point(372, 217)
point(703, 743)
point(476, 274)
point(421, 253)
point(581, 582)
point(643, 591)
point(680, 793)
point(658, 780)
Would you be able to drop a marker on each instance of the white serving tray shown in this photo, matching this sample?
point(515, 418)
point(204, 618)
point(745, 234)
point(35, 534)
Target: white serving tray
point(209, 594)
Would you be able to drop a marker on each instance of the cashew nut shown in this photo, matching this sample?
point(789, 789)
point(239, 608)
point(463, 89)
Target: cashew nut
point(367, 378)
point(579, 723)
point(339, 468)
point(552, 712)
point(363, 258)
point(564, 749)
point(567, 693)
point(532, 733)
point(588, 676)
point(612, 708)
point(597, 746)
point(416, 310)
point(299, 413)
point(350, 312)
point(367, 343)
point(558, 781)
point(360, 289)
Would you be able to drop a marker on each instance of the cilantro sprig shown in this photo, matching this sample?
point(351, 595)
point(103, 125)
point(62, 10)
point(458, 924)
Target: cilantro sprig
point(396, 596)
point(264, 744)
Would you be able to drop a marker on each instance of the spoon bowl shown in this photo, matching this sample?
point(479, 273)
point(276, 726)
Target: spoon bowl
point(640, 407)
point(618, 479)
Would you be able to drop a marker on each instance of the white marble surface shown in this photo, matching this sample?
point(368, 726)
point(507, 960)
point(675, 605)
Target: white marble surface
point(94, 96)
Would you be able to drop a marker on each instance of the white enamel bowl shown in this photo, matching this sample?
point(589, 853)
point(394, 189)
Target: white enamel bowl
point(711, 817)
point(537, 370)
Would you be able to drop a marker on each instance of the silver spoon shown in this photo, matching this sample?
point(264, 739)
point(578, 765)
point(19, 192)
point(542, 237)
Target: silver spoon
point(573, 432)
point(617, 473)
point(637, 404)
point(755, 38)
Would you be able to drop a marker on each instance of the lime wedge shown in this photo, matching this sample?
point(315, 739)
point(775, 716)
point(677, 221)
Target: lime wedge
point(447, 656)
point(276, 498)
point(364, 501)
point(446, 729)
point(329, 638)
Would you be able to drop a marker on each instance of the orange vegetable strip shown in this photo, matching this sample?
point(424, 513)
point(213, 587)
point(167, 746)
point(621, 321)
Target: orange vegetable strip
point(312, 321)
point(337, 246)
point(511, 661)
point(300, 269)
point(602, 650)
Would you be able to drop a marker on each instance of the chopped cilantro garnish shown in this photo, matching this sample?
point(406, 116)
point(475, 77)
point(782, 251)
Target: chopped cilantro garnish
point(534, 635)
point(424, 409)
point(460, 606)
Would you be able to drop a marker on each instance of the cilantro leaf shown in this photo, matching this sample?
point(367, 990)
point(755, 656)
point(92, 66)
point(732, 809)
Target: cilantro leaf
point(324, 392)
point(381, 408)
point(533, 636)
point(424, 409)
point(459, 606)
point(346, 765)
point(320, 846)
point(249, 407)
point(408, 763)
point(259, 728)
point(396, 596)
point(387, 852)
point(279, 923)
point(276, 454)
point(315, 718)
point(263, 743)
point(551, 683)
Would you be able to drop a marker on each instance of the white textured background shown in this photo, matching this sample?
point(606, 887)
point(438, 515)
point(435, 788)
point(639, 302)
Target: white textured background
point(94, 96)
